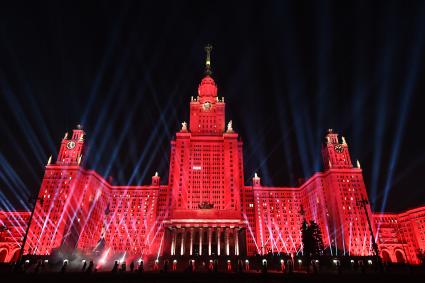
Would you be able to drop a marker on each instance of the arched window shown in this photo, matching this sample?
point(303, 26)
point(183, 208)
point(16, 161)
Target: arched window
point(3, 254)
point(386, 256)
point(399, 256)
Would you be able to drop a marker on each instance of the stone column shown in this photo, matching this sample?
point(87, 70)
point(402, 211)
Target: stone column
point(235, 233)
point(209, 240)
point(200, 241)
point(191, 241)
point(173, 241)
point(226, 238)
point(218, 240)
point(183, 240)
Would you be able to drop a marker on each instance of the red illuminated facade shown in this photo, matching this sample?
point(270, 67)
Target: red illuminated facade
point(401, 236)
point(12, 230)
point(206, 209)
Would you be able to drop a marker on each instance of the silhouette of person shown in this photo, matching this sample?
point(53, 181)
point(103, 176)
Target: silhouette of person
point(37, 267)
point(65, 264)
point(339, 267)
point(115, 268)
point(90, 268)
point(141, 267)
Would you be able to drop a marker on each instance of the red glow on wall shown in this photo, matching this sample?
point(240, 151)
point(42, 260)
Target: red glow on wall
point(206, 208)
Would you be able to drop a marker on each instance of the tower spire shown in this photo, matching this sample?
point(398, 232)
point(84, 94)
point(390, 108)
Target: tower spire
point(208, 50)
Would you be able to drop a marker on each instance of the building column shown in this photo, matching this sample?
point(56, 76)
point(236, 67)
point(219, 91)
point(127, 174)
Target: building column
point(218, 232)
point(209, 240)
point(182, 243)
point(173, 241)
point(191, 241)
point(200, 241)
point(226, 238)
point(235, 233)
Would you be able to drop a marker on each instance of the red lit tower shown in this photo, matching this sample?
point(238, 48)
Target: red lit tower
point(206, 177)
point(344, 188)
point(59, 198)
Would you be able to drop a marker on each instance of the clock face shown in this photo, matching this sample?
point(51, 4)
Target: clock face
point(338, 148)
point(206, 105)
point(70, 145)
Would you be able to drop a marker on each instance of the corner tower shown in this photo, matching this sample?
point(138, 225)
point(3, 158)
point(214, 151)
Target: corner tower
point(345, 192)
point(57, 212)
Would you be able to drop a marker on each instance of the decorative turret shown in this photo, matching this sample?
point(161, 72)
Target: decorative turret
point(184, 127)
point(155, 179)
point(256, 181)
point(229, 127)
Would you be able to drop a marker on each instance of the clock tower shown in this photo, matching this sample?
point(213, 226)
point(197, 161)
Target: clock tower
point(206, 179)
point(71, 149)
point(206, 159)
point(335, 153)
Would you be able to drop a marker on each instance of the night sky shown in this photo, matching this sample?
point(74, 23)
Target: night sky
point(288, 72)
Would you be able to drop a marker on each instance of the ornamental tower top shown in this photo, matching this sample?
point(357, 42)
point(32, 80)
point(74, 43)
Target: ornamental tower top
point(335, 153)
point(71, 149)
point(207, 111)
point(207, 88)
point(208, 50)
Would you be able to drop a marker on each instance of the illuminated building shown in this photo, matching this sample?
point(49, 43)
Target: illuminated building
point(12, 230)
point(401, 236)
point(206, 209)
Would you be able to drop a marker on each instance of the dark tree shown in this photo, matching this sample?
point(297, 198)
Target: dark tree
point(421, 255)
point(306, 239)
point(316, 235)
point(312, 240)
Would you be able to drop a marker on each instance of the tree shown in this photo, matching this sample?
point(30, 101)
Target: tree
point(421, 255)
point(306, 239)
point(316, 235)
point(311, 239)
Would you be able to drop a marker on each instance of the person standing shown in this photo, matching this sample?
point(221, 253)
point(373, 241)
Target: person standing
point(115, 268)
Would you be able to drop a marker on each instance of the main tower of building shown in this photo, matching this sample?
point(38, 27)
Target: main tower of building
point(206, 177)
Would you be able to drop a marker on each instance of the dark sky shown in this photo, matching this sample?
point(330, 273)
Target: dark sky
point(288, 71)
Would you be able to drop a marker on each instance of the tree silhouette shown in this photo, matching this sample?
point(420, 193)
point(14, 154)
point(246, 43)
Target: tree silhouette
point(421, 256)
point(311, 239)
point(306, 239)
